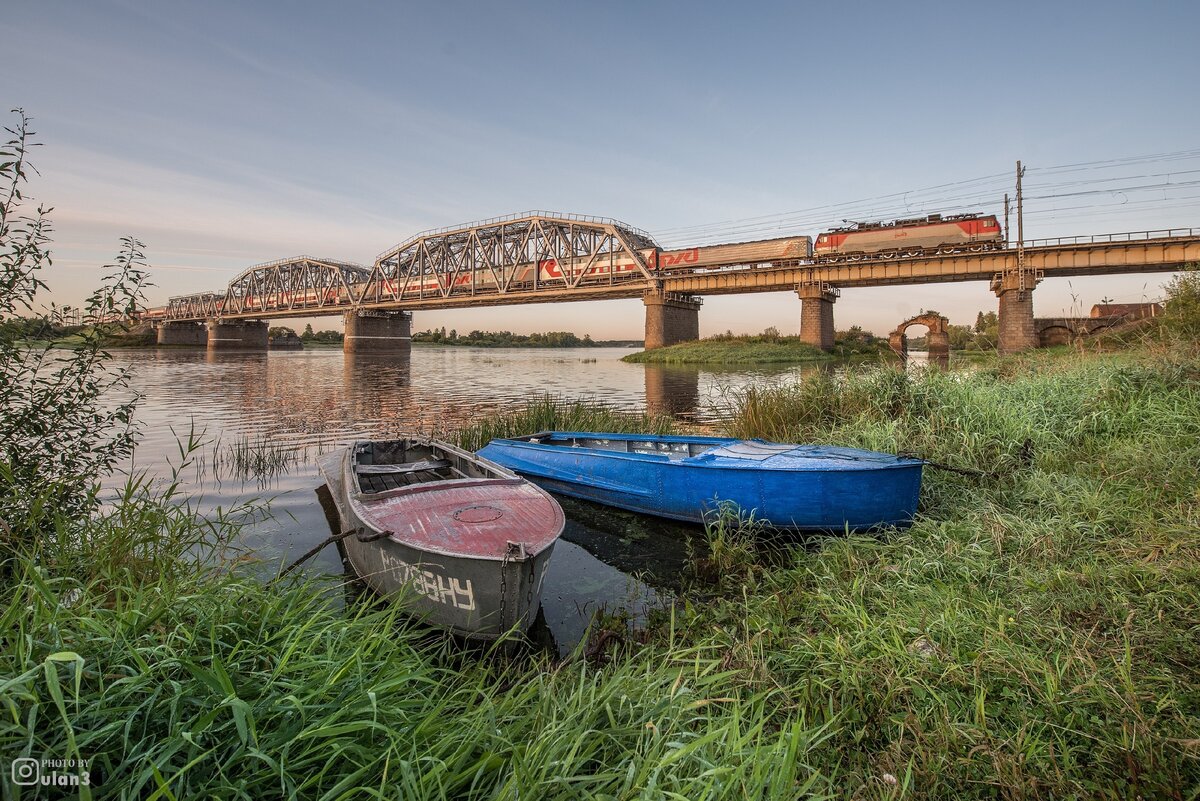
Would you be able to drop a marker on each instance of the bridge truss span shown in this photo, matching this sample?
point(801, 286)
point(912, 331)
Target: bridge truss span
point(511, 255)
point(296, 284)
point(541, 257)
point(300, 283)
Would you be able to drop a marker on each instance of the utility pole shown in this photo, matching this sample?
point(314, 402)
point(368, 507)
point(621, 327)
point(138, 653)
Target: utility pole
point(1006, 236)
point(1020, 227)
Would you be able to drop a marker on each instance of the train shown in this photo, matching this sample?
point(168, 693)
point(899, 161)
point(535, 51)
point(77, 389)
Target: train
point(920, 236)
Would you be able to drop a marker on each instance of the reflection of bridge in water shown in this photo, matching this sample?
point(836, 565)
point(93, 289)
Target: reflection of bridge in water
point(540, 257)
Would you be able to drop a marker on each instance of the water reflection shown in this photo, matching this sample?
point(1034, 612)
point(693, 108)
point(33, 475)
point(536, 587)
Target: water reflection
point(921, 360)
point(672, 390)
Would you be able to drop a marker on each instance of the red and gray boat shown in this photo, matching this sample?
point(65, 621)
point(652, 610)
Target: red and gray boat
point(462, 542)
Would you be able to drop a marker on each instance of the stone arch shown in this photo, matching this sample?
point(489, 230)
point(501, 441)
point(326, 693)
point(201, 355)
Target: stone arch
point(1056, 335)
point(939, 335)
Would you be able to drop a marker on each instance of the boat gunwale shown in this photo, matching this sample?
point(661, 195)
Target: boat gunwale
point(507, 478)
point(336, 467)
point(689, 461)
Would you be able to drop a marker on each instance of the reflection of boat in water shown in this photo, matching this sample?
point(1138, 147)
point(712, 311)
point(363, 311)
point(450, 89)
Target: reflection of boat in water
point(580, 584)
point(650, 548)
point(800, 487)
point(466, 542)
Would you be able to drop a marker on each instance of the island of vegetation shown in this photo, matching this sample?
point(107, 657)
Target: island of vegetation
point(769, 347)
point(507, 339)
point(1031, 635)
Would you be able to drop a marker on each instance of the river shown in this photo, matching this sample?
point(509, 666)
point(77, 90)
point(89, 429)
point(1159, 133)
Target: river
point(311, 401)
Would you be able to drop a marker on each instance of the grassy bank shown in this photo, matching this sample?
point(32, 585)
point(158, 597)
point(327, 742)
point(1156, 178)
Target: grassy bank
point(753, 349)
point(1033, 635)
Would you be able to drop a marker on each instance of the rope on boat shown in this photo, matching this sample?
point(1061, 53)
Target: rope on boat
point(310, 553)
point(1025, 457)
point(962, 471)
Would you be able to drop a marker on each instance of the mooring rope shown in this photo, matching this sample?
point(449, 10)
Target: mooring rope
point(316, 549)
point(962, 471)
point(1025, 457)
point(311, 552)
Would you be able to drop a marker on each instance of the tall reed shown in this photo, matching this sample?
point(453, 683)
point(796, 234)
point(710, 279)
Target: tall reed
point(551, 413)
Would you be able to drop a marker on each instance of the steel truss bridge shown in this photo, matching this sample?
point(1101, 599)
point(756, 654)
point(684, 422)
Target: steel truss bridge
point(538, 257)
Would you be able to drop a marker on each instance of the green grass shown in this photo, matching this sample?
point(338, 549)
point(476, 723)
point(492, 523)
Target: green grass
point(768, 348)
point(732, 350)
point(1033, 635)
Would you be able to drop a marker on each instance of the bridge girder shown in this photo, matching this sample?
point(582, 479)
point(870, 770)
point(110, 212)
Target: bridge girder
point(193, 307)
point(298, 283)
point(295, 284)
point(532, 251)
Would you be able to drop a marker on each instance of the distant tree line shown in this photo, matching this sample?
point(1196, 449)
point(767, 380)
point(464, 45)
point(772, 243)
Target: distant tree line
point(319, 337)
point(37, 327)
point(507, 339)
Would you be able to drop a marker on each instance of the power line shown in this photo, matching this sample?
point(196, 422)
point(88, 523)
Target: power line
point(978, 194)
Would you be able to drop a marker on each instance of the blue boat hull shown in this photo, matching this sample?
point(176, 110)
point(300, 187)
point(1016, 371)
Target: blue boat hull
point(849, 489)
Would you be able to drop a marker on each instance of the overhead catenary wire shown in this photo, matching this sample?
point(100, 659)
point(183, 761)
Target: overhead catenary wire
point(982, 194)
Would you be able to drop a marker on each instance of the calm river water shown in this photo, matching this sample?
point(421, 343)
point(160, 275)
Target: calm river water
point(317, 400)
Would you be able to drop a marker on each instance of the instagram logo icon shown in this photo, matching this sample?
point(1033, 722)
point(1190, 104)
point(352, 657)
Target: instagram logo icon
point(26, 771)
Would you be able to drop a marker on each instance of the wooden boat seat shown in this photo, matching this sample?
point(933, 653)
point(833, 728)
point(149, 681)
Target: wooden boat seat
point(394, 469)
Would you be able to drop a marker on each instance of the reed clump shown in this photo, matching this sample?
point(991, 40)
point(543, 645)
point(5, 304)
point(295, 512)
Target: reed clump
point(252, 458)
point(732, 538)
point(551, 413)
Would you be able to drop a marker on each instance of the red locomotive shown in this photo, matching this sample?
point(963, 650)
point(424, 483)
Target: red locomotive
point(917, 237)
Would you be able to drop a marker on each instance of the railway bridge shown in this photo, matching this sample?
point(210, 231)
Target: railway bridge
point(543, 257)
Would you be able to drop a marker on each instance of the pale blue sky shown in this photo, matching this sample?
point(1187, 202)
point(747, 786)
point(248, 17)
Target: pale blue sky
point(224, 135)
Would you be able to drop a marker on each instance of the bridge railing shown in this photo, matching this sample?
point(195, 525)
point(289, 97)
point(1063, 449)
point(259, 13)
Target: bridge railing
point(1127, 236)
point(291, 259)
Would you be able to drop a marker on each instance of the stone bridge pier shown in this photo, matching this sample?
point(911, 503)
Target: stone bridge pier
point(1017, 330)
point(671, 318)
point(377, 332)
point(237, 334)
point(816, 314)
point(182, 333)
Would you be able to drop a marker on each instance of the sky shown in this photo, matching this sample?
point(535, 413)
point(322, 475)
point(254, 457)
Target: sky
point(223, 135)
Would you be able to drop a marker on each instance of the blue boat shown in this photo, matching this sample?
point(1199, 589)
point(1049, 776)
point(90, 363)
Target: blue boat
point(801, 487)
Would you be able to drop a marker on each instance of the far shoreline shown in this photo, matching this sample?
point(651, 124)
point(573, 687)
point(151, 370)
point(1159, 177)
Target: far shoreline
point(758, 350)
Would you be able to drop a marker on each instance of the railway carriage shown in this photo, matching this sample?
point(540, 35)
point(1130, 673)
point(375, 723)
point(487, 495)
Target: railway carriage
point(915, 237)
